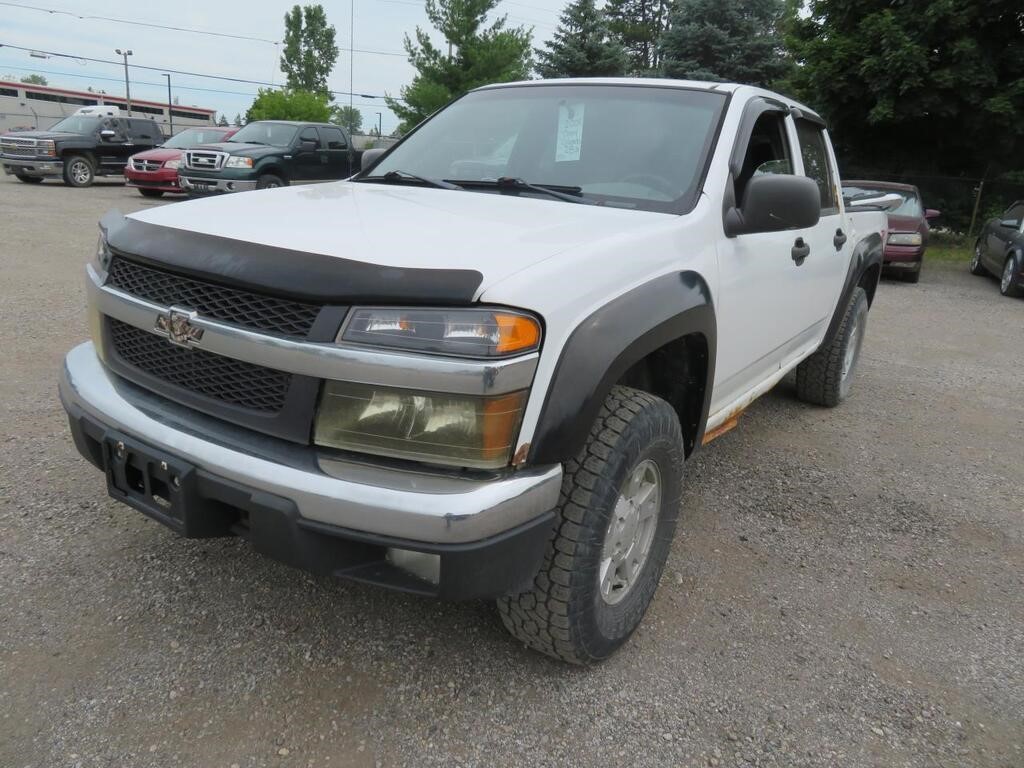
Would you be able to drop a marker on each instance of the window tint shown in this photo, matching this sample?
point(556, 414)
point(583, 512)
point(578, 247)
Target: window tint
point(767, 152)
point(310, 134)
point(334, 138)
point(816, 164)
point(142, 129)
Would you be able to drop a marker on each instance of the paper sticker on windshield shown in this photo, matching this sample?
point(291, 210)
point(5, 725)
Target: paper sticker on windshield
point(570, 132)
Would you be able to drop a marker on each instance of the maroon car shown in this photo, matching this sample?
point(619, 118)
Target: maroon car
point(908, 225)
point(155, 171)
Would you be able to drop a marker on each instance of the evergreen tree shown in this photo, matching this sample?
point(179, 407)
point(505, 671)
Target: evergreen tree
point(582, 46)
point(638, 25)
point(725, 40)
point(476, 55)
point(309, 49)
point(237, 121)
point(223, 122)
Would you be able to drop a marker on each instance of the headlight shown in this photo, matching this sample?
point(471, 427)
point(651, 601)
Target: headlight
point(905, 238)
point(47, 147)
point(101, 260)
point(173, 164)
point(456, 430)
point(238, 162)
point(462, 332)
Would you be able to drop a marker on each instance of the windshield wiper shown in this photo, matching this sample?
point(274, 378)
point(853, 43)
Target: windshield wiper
point(398, 177)
point(557, 191)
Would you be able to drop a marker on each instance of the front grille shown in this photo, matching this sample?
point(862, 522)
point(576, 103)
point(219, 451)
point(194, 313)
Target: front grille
point(221, 378)
point(146, 165)
point(21, 147)
point(230, 305)
point(205, 160)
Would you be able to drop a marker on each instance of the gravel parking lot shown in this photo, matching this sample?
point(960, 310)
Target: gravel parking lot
point(846, 589)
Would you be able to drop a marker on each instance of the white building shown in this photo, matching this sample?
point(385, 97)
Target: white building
point(24, 106)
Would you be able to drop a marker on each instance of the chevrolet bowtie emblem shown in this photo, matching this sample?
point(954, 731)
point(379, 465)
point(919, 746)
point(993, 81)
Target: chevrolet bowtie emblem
point(176, 324)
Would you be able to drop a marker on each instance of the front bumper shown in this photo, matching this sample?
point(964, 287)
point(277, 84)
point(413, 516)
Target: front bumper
point(202, 185)
point(163, 180)
point(315, 510)
point(903, 255)
point(30, 167)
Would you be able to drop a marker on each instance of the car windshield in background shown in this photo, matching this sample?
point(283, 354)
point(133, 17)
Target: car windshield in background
point(193, 137)
point(911, 205)
point(272, 134)
point(627, 146)
point(77, 125)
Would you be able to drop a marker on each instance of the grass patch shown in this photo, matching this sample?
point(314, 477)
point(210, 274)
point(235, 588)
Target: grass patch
point(948, 253)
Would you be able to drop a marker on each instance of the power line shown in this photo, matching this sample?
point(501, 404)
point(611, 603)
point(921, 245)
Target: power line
point(179, 71)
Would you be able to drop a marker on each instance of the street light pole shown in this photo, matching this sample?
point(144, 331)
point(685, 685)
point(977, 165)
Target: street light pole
point(170, 104)
point(127, 88)
point(380, 122)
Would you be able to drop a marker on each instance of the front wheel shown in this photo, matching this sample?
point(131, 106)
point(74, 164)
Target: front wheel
point(269, 181)
point(616, 518)
point(29, 179)
point(825, 377)
point(151, 192)
point(78, 171)
point(1007, 286)
point(977, 268)
point(911, 276)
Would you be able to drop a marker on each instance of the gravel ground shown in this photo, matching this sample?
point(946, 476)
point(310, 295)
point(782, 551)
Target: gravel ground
point(846, 587)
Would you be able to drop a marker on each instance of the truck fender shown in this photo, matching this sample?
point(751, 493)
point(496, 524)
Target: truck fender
point(865, 270)
point(607, 343)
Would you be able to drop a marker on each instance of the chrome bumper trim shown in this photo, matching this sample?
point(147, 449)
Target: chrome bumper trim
point(342, 362)
point(411, 505)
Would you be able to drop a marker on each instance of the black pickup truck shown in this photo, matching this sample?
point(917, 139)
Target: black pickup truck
point(78, 148)
point(267, 154)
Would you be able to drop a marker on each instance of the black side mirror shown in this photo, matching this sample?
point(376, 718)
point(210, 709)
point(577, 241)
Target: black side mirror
point(307, 145)
point(370, 157)
point(774, 203)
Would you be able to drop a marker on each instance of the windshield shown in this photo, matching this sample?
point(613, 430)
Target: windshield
point(911, 205)
point(627, 146)
point(193, 137)
point(274, 134)
point(77, 125)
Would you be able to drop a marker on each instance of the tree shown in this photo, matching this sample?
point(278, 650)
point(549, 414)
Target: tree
point(223, 122)
point(581, 46)
point(725, 40)
point(34, 79)
point(476, 56)
point(309, 49)
point(348, 117)
point(237, 122)
point(638, 25)
point(916, 86)
point(288, 104)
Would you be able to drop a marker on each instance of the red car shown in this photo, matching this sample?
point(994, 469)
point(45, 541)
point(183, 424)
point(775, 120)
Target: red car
point(155, 171)
point(908, 225)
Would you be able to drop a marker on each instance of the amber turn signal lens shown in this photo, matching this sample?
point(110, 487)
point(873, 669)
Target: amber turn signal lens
point(516, 332)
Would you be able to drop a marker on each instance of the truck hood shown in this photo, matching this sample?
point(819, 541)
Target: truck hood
point(55, 135)
point(244, 149)
point(337, 230)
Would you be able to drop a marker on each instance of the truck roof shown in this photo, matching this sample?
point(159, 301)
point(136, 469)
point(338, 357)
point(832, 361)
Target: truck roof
point(298, 122)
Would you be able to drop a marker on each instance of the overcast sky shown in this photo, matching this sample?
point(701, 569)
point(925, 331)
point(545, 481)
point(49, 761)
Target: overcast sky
point(379, 26)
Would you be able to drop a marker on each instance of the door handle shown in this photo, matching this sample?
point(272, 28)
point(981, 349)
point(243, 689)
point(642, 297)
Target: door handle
point(801, 251)
point(839, 240)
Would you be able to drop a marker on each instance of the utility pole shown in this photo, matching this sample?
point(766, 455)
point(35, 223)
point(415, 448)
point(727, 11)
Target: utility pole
point(170, 104)
point(127, 88)
point(351, 46)
point(380, 122)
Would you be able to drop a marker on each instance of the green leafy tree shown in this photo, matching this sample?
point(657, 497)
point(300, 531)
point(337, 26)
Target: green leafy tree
point(309, 48)
point(638, 25)
point(348, 117)
point(35, 79)
point(288, 104)
point(476, 55)
point(916, 86)
point(725, 40)
point(582, 46)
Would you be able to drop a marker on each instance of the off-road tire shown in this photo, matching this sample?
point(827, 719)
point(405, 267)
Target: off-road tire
point(29, 179)
point(151, 192)
point(819, 378)
point(564, 614)
point(79, 171)
point(1013, 290)
point(270, 181)
point(977, 268)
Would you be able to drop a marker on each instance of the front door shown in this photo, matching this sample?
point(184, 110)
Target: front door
point(309, 164)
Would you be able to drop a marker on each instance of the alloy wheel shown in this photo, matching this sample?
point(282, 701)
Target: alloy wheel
point(630, 533)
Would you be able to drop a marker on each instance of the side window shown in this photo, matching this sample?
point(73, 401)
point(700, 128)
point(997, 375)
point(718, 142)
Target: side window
point(142, 129)
point(814, 152)
point(334, 138)
point(310, 134)
point(767, 152)
point(1014, 213)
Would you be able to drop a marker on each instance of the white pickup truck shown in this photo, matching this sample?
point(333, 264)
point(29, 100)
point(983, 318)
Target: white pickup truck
point(476, 368)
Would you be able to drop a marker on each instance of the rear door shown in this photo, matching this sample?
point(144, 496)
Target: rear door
point(336, 148)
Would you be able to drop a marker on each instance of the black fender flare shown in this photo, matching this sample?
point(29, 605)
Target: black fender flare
point(867, 253)
point(606, 344)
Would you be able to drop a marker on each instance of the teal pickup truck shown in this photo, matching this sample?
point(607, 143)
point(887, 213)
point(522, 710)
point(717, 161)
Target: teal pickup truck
point(268, 154)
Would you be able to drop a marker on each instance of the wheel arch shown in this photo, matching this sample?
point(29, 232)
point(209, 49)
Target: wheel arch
point(865, 271)
point(274, 168)
point(644, 338)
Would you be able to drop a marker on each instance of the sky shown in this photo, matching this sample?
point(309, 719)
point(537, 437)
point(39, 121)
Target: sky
point(379, 25)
